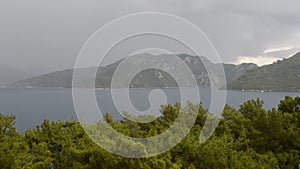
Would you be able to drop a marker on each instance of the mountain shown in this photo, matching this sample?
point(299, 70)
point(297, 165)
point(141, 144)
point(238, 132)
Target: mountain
point(9, 74)
point(150, 78)
point(283, 75)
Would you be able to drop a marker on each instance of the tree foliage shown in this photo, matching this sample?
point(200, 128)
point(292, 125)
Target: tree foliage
point(248, 137)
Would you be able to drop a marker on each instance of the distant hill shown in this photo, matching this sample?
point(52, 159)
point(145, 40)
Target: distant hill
point(283, 75)
point(9, 74)
point(146, 79)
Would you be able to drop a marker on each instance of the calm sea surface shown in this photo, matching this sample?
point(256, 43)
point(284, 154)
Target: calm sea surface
point(32, 106)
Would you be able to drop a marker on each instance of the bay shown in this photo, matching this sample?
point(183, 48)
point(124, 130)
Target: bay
point(32, 105)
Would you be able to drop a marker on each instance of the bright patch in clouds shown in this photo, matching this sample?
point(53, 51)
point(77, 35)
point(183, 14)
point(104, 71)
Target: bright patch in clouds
point(271, 50)
point(259, 60)
point(269, 56)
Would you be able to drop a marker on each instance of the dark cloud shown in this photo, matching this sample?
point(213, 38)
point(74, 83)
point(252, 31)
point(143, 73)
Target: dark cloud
point(42, 36)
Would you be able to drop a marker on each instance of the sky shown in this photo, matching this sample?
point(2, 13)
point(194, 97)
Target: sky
point(43, 36)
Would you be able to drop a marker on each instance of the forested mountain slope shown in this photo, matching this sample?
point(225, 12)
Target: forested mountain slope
point(283, 75)
point(149, 78)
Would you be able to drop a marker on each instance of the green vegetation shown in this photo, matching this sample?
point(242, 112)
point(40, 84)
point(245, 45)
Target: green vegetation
point(283, 75)
point(248, 137)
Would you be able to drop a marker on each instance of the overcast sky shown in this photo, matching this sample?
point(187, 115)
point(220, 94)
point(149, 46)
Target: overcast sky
point(42, 36)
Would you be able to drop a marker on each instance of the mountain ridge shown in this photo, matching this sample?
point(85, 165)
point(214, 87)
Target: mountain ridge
point(282, 75)
point(10, 74)
point(144, 79)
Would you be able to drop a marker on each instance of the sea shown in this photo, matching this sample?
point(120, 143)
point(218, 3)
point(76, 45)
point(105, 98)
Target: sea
point(32, 105)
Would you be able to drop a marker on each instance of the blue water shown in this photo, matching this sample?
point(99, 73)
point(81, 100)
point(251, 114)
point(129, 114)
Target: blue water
point(32, 106)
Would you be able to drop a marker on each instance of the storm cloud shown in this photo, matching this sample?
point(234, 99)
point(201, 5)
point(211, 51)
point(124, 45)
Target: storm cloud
point(43, 36)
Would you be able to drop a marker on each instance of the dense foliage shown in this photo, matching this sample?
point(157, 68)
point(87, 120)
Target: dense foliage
point(250, 137)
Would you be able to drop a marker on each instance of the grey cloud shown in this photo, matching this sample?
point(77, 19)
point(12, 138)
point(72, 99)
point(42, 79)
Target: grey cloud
point(283, 53)
point(42, 36)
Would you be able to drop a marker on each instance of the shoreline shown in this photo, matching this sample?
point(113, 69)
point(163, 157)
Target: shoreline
point(138, 88)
